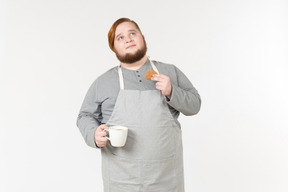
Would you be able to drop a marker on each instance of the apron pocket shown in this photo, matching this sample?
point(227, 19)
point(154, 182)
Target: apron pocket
point(124, 174)
point(159, 175)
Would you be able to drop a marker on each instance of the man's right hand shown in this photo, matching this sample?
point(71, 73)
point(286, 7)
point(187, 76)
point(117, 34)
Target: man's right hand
point(100, 136)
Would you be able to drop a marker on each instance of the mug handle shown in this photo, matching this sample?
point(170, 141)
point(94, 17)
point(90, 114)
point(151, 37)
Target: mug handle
point(107, 136)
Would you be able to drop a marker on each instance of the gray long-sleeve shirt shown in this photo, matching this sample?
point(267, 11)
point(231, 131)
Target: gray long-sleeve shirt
point(100, 99)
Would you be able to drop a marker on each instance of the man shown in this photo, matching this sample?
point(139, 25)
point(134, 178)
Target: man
point(151, 159)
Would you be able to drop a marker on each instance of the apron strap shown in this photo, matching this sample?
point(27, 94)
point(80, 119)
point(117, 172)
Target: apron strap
point(120, 77)
point(154, 67)
point(121, 74)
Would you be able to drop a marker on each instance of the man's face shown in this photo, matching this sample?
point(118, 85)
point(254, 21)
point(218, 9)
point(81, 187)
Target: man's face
point(129, 43)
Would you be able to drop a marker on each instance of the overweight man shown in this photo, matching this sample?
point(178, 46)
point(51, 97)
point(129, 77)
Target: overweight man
point(152, 158)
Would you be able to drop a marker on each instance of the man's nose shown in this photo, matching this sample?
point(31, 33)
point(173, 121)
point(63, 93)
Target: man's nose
point(128, 39)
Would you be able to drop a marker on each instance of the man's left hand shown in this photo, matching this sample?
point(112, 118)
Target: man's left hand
point(163, 84)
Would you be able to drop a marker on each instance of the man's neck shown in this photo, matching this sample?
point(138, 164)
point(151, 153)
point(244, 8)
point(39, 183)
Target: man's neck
point(136, 65)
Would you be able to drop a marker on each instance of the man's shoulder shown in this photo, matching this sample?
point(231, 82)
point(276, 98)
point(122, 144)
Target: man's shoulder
point(111, 73)
point(106, 78)
point(160, 63)
point(165, 67)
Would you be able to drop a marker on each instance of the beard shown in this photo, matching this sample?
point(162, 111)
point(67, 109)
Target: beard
point(132, 58)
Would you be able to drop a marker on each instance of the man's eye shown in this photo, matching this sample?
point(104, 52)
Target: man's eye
point(132, 34)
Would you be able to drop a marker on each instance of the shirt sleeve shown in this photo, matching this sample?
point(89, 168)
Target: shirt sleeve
point(184, 98)
point(89, 117)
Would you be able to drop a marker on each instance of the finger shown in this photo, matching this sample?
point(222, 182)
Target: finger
point(102, 127)
point(156, 77)
point(159, 87)
point(101, 134)
point(102, 139)
point(101, 143)
point(160, 77)
point(159, 84)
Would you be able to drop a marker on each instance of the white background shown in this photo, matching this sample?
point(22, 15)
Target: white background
point(234, 52)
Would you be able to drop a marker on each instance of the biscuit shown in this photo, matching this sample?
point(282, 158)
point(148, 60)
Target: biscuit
point(149, 74)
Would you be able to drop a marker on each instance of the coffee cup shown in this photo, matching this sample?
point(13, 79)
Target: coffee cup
point(117, 135)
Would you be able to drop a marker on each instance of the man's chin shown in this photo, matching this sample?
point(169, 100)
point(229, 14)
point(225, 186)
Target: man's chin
point(130, 58)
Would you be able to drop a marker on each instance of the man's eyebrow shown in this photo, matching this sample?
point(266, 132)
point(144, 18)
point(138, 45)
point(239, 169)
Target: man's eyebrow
point(132, 30)
point(118, 35)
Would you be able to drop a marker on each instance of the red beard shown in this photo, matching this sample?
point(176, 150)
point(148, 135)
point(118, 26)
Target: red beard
point(132, 58)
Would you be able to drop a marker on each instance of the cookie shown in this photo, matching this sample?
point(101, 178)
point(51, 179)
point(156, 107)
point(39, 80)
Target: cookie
point(149, 74)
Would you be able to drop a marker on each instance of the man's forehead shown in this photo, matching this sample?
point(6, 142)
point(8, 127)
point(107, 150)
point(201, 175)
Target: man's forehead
point(126, 26)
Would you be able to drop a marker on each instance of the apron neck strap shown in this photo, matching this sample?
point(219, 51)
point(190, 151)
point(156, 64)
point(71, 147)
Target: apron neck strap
point(121, 81)
point(120, 77)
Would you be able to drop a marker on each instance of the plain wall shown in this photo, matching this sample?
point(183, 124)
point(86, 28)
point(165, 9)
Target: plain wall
point(234, 53)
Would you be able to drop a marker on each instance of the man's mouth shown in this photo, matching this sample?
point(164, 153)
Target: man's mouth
point(130, 46)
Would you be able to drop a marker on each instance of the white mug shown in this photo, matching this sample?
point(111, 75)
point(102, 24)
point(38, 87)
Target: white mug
point(117, 135)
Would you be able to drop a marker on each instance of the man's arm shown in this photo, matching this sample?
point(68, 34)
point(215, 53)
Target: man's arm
point(184, 97)
point(89, 118)
point(181, 94)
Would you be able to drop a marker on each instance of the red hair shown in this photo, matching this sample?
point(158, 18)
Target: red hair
point(111, 33)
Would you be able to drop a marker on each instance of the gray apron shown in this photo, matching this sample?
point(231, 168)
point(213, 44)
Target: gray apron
point(152, 159)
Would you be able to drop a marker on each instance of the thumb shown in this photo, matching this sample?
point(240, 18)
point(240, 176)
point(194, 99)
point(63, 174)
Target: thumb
point(102, 127)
